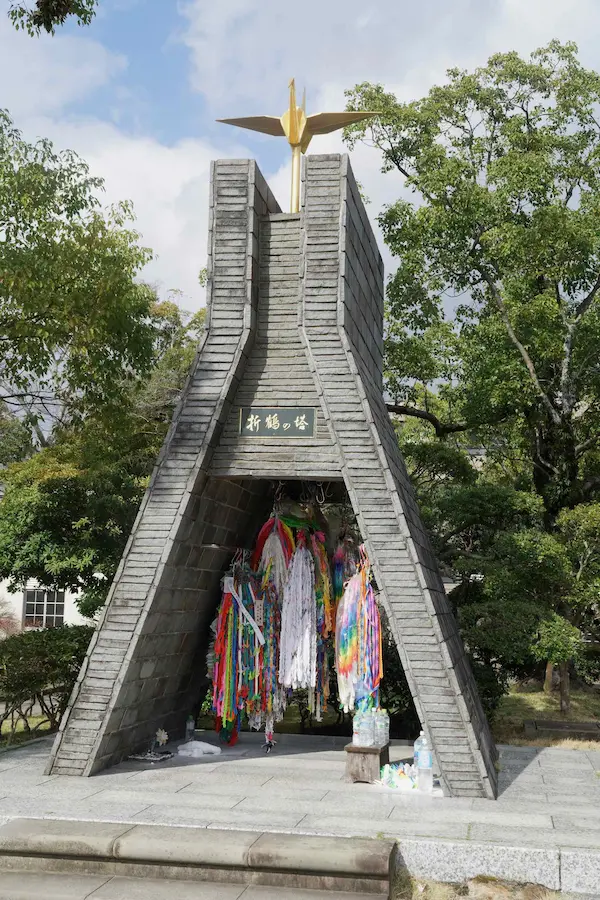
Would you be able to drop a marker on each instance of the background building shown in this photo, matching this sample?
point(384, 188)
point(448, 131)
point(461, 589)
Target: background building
point(37, 607)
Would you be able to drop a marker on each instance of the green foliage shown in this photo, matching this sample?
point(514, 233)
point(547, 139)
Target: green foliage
point(498, 632)
point(75, 322)
point(47, 14)
point(492, 685)
point(493, 325)
point(493, 310)
point(395, 693)
point(68, 510)
point(558, 641)
point(40, 667)
point(15, 438)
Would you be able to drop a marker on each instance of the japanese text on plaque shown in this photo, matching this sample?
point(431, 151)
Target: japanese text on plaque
point(277, 422)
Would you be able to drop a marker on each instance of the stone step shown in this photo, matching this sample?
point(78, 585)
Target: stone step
point(23, 885)
point(234, 859)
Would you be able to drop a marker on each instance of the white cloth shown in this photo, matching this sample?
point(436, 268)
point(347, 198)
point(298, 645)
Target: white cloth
point(298, 643)
point(198, 748)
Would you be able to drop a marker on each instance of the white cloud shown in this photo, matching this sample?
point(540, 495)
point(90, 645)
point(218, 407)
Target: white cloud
point(46, 74)
point(169, 190)
point(167, 184)
point(242, 54)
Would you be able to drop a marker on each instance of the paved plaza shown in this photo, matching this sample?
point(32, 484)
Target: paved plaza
point(548, 797)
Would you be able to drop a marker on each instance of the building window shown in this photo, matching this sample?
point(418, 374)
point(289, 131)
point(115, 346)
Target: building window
point(44, 609)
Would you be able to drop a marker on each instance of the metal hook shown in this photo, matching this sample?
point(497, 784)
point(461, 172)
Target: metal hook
point(320, 494)
point(278, 495)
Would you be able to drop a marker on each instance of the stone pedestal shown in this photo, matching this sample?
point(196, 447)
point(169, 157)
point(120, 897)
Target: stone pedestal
point(364, 763)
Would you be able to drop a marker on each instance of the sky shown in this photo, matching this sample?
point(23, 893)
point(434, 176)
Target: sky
point(137, 93)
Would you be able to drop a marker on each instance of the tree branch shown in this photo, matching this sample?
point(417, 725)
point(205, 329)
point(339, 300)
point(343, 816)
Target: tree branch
point(441, 428)
point(589, 485)
point(524, 354)
point(566, 382)
point(587, 301)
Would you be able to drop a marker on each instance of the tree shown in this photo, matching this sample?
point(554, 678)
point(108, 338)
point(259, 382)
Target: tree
point(47, 14)
point(504, 168)
point(15, 438)
point(516, 578)
point(560, 643)
point(75, 323)
point(8, 620)
point(68, 510)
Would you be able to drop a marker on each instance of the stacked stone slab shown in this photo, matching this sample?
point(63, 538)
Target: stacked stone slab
point(295, 320)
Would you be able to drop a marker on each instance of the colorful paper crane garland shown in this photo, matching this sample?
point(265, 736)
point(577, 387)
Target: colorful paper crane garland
point(274, 626)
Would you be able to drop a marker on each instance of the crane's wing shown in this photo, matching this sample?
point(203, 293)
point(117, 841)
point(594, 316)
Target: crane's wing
point(323, 123)
point(265, 124)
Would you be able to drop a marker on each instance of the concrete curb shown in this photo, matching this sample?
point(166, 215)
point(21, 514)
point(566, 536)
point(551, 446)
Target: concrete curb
point(359, 865)
point(458, 861)
point(286, 859)
point(49, 737)
point(573, 870)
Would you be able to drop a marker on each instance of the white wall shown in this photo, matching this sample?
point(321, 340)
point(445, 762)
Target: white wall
point(17, 603)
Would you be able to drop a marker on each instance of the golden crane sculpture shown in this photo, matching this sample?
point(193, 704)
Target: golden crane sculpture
point(299, 129)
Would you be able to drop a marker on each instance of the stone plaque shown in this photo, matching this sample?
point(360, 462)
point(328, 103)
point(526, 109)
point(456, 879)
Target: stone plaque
point(277, 421)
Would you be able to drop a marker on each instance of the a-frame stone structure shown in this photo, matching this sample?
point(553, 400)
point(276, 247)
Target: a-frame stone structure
point(295, 320)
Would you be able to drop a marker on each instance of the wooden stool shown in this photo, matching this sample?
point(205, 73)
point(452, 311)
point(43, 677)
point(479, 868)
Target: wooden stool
point(364, 763)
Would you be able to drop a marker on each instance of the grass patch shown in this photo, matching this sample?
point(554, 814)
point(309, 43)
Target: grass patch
point(292, 723)
point(530, 702)
point(21, 735)
point(407, 888)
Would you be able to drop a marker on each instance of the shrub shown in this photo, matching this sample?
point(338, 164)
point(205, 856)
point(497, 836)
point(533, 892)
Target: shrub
point(40, 667)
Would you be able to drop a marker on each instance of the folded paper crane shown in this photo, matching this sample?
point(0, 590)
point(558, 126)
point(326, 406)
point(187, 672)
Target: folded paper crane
point(299, 129)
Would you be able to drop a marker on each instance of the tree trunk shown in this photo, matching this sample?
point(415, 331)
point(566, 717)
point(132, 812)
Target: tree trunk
point(556, 468)
point(565, 692)
point(548, 686)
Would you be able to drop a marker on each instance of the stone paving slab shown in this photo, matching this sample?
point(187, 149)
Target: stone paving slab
point(27, 885)
point(258, 820)
point(74, 809)
point(120, 888)
point(267, 790)
point(493, 816)
point(349, 827)
point(549, 800)
point(261, 892)
point(32, 886)
point(535, 837)
point(587, 819)
point(377, 807)
point(181, 799)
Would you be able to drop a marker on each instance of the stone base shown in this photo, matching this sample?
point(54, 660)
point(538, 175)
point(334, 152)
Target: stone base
point(364, 763)
point(541, 728)
point(305, 862)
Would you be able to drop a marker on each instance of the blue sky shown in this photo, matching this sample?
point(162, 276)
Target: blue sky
point(137, 93)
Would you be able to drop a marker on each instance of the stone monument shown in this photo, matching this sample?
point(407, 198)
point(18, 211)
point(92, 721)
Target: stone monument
point(294, 335)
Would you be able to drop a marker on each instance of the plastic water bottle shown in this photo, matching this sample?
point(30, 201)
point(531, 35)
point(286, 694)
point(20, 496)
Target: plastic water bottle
point(190, 728)
point(367, 729)
point(380, 723)
point(356, 728)
point(386, 726)
point(417, 747)
point(425, 768)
